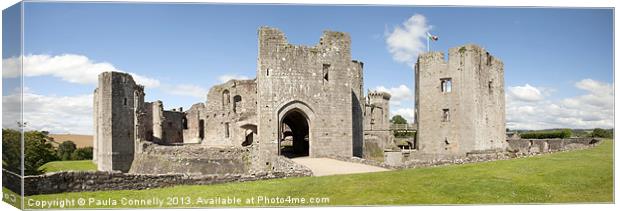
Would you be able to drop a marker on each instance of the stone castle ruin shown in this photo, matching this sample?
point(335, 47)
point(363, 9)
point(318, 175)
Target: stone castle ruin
point(460, 103)
point(304, 101)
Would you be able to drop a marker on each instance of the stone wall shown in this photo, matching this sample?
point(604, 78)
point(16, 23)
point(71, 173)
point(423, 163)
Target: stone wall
point(173, 126)
point(12, 181)
point(230, 114)
point(191, 159)
point(460, 105)
point(194, 120)
point(61, 182)
point(533, 146)
point(516, 148)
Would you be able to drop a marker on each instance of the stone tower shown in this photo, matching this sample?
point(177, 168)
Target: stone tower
point(316, 91)
point(459, 103)
point(380, 110)
point(116, 100)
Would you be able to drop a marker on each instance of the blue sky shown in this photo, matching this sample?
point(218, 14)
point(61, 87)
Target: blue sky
point(554, 56)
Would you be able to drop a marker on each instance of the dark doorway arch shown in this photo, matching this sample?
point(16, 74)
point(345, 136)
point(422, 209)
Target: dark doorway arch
point(295, 134)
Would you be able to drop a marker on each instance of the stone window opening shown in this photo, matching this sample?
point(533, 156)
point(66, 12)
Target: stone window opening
point(445, 117)
point(201, 129)
point(184, 123)
point(490, 86)
point(267, 71)
point(124, 101)
point(236, 102)
point(227, 130)
point(489, 59)
point(446, 85)
point(225, 98)
point(326, 72)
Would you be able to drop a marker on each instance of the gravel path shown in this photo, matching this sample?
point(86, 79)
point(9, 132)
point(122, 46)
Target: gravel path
point(327, 166)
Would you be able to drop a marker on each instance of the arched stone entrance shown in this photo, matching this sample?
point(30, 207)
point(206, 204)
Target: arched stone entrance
point(295, 130)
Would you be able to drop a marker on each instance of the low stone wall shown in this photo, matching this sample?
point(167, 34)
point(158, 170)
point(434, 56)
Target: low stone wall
point(530, 146)
point(517, 148)
point(72, 181)
point(11, 181)
point(191, 159)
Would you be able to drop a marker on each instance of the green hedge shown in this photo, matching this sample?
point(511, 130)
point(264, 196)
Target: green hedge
point(566, 133)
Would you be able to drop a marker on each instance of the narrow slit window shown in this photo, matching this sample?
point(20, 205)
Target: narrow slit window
point(445, 115)
point(446, 85)
point(226, 130)
point(124, 101)
point(326, 72)
point(489, 59)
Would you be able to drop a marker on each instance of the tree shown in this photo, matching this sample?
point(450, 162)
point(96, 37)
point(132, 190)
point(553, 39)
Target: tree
point(398, 119)
point(65, 150)
point(37, 151)
point(602, 133)
point(85, 153)
point(11, 150)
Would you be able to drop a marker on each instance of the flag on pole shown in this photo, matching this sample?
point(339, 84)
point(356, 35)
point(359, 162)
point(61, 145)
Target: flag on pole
point(432, 37)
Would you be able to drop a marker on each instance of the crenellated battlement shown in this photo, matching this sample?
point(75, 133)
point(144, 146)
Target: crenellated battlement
point(379, 95)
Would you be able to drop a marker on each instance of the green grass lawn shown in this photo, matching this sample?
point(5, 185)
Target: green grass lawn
point(583, 176)
point(75, 165)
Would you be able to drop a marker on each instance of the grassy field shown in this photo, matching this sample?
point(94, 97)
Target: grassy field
point(79, 140)
point(583, 176)
point(76, 165)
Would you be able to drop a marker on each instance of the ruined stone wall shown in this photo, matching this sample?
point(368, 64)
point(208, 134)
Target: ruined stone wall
point(533, 146)
point(173, 127)
point(229, 113)
point(191, 159)
point(356, 80)
point(62, 182)
point(474, 105)
point(157, 114)
point(194, 120)
point(12, 181)
point(145, 123)
point(316, 81)
point(117, 97)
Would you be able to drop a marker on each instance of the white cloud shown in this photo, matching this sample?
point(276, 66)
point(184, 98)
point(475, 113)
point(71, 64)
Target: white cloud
point(590, 110)
point(57, 114)
point(68, 67)
point(406, 41)
point(525, 93)
point(187, 90)
point(227, 77)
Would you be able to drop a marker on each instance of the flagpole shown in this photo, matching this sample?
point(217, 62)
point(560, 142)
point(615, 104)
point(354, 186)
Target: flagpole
point(428, 44)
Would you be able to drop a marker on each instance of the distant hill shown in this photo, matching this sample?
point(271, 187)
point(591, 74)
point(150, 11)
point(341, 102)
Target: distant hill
point(79, 140)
